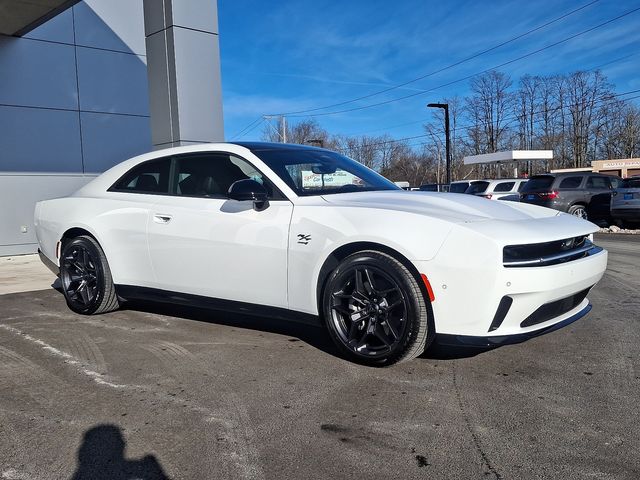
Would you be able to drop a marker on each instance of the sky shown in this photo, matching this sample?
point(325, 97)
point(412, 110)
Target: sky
point(289, 56)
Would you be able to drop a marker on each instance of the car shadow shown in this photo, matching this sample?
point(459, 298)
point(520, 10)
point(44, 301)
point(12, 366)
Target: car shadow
point(314, 335)
point(438, 351)
point(101, 457)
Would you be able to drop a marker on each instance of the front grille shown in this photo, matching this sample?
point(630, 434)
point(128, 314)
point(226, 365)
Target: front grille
point(555, 309)
point(548, 253)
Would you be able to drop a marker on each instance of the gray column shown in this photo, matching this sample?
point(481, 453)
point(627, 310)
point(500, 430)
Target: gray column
point(183, 66)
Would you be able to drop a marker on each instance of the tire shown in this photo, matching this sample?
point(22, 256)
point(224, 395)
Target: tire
point(375, 310)
point(578, 211)
point(86, 278)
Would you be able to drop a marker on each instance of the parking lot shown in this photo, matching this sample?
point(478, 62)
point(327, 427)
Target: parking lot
point(149, 392)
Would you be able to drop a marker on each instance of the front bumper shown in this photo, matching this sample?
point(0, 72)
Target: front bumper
point(469, 291)
point(500, 340)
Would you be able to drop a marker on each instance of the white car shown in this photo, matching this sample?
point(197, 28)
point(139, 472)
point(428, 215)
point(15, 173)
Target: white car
point(307, 234)
point(500, 189)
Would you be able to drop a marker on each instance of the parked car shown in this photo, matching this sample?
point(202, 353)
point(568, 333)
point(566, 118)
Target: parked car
point(434, 187)
point(500, 189)
point(625, 202)
point(461, 186)
point(306, 234)
point(583, 194)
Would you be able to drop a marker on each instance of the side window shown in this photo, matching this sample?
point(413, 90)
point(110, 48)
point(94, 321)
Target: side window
point(521, 186)
point(148, 177)
point(598, 183)
point(504, 187)
point(615, 182)
point(570, 182)
point(211, 175)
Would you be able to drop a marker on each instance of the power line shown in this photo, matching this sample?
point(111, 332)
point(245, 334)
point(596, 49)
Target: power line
point(555, 44)
point(597, 67)
point(608, 99)
point(460, 62)
point(242, 132)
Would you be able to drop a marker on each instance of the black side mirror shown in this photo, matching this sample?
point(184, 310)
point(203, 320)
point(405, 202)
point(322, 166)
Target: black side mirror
point(249, 190)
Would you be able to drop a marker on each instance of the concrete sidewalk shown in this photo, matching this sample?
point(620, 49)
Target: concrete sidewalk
point(24, 273)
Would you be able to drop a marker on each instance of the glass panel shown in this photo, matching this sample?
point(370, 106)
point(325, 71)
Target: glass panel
point(321, 172)
point(459, 187)
point(504, 187)
point(571, 182)
point(542, 182)
point(149, 177)
point(477, 187)
point(631, 183)
point(598, 183)
point(212, 174)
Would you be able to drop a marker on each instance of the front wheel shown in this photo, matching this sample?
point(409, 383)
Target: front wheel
point(375, 310)
point(86, 278)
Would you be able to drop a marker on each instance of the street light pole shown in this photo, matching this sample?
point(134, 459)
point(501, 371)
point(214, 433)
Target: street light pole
point(445, 107)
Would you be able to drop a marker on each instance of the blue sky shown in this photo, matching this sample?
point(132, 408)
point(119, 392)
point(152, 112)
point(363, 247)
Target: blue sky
point(292, 55)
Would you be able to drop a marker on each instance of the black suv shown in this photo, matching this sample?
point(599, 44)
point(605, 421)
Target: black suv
point(582, 194)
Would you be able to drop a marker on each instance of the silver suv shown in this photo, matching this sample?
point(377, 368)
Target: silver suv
point(501, 189)
point(625, 201)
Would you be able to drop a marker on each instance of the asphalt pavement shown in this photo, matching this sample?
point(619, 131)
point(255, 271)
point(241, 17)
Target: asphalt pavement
point(150, 392)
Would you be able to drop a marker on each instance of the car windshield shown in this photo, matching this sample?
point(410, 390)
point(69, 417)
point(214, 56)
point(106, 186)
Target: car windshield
point(458, 187)
point(320, 172)
point(542, 182)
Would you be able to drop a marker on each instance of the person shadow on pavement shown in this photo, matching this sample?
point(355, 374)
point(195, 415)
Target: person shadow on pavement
point(101, 457)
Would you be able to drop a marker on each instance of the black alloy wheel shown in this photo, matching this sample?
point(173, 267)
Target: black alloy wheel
point(86, 278)
point(375, 310)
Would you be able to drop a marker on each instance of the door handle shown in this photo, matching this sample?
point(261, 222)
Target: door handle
point(161, 218)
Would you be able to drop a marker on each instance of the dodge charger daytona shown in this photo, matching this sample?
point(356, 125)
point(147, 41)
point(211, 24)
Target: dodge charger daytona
point(305, 233)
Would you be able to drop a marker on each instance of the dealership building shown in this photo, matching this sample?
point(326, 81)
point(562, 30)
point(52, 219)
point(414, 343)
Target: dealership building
point(87, 84)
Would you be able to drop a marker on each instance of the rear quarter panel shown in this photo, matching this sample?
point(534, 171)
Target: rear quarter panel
point(119, 225)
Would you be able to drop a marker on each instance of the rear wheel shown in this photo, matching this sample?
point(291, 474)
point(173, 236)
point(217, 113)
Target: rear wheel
point(578, 211)
point(375, 310)
point(86, 278)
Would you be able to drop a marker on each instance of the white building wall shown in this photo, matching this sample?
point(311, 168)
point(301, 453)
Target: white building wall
point(73, 102)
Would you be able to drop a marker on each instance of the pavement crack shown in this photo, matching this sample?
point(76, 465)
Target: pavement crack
point(474, 437)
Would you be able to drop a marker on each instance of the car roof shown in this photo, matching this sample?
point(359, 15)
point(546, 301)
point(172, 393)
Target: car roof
point(572, 174)
point(265, 146)
point(504, 179)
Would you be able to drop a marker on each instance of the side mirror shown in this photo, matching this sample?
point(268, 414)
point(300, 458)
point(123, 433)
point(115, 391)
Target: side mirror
point(249, 190)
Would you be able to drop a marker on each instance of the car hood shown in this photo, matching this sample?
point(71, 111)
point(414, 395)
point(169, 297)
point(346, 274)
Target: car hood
point(453, 207)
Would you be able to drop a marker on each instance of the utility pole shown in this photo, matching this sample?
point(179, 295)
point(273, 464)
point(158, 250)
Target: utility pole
point(281, 131)
point(445, 107)
point(283, 125)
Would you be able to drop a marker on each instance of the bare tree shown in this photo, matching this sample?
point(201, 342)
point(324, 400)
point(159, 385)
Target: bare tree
point(584, 92)
point(526, 104)
point(488, 107)
point(304, 132)
point(620, 130)
point(410, 166)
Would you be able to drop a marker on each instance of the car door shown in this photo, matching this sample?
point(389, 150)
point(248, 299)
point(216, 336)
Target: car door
point(599, 190)
point(123, 226)
point(203, 243)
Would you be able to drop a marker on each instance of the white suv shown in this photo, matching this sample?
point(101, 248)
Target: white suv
point(501, 189)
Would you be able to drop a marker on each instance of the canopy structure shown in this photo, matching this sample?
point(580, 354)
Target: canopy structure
point(19, 17)
point(509, 156)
